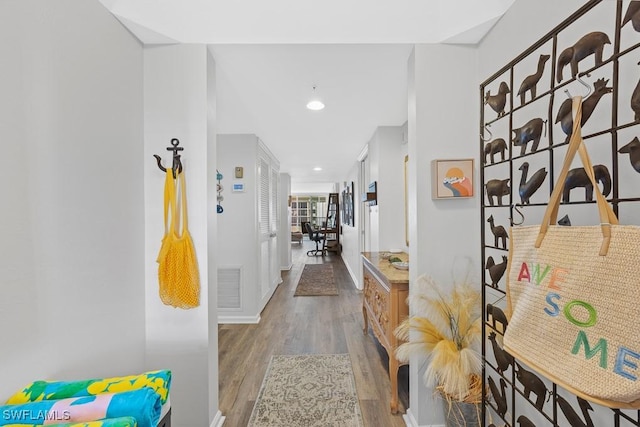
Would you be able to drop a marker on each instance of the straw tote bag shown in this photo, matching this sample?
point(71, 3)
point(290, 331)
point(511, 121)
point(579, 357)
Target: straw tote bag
point(573, 297)
point(178, 274)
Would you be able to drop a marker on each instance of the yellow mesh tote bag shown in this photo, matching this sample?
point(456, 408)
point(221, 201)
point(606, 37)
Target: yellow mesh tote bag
point(178, 276)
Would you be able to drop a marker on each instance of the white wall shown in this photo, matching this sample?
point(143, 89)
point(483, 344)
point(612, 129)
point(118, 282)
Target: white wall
point(311, 187)
point(212, 239)
point(72, 217)
point(238, 224)
point(350, 238)
point(521, 26)
point(386, 157)
point(444, 234)
point(177, 106)
point(284, 228)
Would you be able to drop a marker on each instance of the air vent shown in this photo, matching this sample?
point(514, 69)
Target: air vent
point(229, 288)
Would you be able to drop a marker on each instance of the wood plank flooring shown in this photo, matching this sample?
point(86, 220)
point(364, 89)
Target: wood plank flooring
point(307, 325)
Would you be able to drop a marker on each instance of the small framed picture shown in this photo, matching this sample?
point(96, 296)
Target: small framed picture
point(452, 179)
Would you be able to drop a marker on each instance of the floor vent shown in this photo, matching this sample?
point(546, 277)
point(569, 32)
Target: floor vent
point(229, 288)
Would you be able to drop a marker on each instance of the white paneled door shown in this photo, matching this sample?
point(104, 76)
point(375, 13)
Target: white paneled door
point(268, 214)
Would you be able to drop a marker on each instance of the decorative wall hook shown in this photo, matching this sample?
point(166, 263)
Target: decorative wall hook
point(486, 127)
point(177, 164)
point(515, 208)
point(583, 83)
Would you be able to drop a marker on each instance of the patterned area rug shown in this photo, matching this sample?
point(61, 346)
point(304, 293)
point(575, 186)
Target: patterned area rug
point(316, 280)
point(309, 390)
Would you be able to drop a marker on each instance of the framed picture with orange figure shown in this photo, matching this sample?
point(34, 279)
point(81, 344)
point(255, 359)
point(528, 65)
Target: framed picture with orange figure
point(452, 178)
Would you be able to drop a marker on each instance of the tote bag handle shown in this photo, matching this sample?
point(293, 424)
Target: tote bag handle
point(576, 144)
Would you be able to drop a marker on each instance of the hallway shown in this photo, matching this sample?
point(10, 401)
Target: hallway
point(307, 325)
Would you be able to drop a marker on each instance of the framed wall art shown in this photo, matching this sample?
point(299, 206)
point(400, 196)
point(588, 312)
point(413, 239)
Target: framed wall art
point(452, 178)
point(347, 205)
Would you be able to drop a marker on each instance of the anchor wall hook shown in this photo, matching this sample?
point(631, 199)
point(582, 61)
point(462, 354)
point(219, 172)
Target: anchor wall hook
point(177, 164)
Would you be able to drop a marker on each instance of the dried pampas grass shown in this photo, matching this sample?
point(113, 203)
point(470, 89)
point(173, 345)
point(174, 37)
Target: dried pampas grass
point(446, 328)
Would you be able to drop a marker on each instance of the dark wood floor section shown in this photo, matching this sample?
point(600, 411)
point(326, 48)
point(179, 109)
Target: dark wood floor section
point(307, 325)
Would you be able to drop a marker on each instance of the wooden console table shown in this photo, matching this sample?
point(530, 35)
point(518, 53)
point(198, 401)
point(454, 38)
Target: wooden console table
point(384, 306)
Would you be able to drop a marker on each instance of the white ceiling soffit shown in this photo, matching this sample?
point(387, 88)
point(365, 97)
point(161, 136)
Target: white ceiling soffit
point(144, 34)
point(473, 35)
point(304, 21)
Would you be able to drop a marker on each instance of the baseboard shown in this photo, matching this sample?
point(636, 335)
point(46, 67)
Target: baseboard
point(353, 276)
point(222, 319)
point(286, 268)
point(218, 420)
point(410, 421)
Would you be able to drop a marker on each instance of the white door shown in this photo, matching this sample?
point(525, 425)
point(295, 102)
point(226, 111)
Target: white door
point(264, 206)
point(274, 259)
point(269, 216)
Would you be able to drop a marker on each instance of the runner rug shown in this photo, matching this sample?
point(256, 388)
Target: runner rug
point(316, 280)
point(312, 390)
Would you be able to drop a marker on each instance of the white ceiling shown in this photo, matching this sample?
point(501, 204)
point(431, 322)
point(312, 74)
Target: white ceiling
point(270, 54)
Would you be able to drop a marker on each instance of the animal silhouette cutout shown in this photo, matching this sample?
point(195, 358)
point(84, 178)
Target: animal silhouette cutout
point(590, 44)
point(635, 99)
point(498, 102)
point(497, 316)
point(633, 149)
point(499, 233)
point(496, 271)
point(531, 384)
point(499, 395)
point(530, 82)
point(565, 221)
point(496, 146)
point(565, 117)
point(530, 131)
point(525, 422)
point(572, 416)
point(633, 15)
point(578, 178)
point(503, 359)
point(528, 187)
point(497, 188)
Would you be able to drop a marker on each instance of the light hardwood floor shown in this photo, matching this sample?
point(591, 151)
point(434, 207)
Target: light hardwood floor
point(307, 325)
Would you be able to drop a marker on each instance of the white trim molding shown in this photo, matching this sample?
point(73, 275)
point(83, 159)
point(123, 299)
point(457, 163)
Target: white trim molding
point(218, 420)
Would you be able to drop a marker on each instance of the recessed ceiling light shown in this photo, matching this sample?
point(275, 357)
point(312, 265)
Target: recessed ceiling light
point(317, 169)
